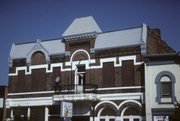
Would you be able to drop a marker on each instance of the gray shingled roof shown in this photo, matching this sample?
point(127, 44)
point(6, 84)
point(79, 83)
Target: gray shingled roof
point(82, 26)
point(118, 38)
point(22, 50)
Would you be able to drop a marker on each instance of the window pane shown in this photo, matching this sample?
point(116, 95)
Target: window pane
point(81, 68)
point(166, 89)
point(165, 79)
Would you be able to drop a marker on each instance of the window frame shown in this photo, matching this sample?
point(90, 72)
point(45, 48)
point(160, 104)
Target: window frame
point(158, 83)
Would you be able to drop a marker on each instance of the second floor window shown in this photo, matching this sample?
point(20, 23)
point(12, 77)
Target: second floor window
point(38, 58)
point(80, 78)
point(127, 73)
point(108, 74)
point(80, 75)
point(166, 87)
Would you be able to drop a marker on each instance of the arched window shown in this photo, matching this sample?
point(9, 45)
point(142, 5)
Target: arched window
point(38, 58)
point(80, 71)
point(165, 87)
point(108, 112)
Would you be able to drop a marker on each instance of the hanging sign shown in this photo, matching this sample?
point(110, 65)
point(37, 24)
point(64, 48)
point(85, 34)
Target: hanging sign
point(66, 109)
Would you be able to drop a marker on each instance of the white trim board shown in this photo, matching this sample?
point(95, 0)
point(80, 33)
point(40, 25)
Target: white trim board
point(101, 97)
point(31, 93)
point(42, 101)
point(73, 64)
point(51, 92)
point(38, 101)
point(122, 96)
point(121, 88)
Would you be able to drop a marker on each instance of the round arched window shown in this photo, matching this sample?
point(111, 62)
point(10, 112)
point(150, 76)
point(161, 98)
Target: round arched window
point(38, 58)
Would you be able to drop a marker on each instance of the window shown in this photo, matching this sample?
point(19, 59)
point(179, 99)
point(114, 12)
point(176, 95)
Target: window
point(81, 74)
point(128, 77)
point(165, 87)
point(80, 77)
point(38, 58)
point(108, 74)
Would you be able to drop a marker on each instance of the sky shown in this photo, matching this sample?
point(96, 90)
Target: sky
point(28, 20)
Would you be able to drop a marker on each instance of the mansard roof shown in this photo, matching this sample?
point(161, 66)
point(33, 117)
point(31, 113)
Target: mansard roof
point(52, 47)
point(84, 25)
point(119, 38)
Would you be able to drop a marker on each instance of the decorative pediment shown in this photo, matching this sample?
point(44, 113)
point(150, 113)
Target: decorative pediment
point(38, 47)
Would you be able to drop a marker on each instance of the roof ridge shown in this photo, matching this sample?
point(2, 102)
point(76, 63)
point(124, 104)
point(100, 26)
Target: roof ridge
point(21, 43)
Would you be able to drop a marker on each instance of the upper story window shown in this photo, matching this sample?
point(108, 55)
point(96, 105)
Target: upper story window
point(166, 86)
point(38, 58)
point(127, 75)
point(165, 81)
point(108, 74)
point(80, 75)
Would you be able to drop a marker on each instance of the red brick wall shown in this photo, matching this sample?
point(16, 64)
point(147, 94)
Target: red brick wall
point(155, 45)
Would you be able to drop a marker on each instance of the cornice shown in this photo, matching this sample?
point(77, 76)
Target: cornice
point(80, 36)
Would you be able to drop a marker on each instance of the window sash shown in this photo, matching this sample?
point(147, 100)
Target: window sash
point(166, 89)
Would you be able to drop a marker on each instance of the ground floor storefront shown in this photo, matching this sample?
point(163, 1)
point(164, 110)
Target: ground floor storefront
point(84, 107)
point(126, 110)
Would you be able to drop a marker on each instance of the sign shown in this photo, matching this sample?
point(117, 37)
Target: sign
point(66, 109)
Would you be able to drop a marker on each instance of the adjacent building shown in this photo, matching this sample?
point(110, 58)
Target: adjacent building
point(162, 75)
point(3, 91)
point(98, 76)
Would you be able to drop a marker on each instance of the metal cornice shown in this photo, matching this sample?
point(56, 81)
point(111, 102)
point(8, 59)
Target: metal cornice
point(80, 36)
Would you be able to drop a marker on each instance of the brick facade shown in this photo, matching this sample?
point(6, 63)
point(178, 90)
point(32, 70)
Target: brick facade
point(114, 77)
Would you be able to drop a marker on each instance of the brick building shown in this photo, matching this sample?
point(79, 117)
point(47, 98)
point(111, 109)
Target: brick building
point(100, 73)
point(3, 91)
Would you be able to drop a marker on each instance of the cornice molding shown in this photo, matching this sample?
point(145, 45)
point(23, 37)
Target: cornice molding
point(80, 36)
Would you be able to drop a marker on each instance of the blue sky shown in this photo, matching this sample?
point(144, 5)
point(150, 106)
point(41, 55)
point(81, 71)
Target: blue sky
point(29, 20)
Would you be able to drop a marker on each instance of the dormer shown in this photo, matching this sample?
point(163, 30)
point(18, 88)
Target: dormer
point(38, 55)
point(35, 53)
